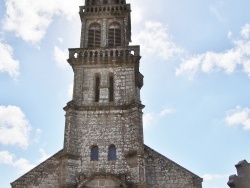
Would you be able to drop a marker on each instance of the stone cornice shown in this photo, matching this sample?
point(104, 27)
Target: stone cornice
point(72, 106)
point(111, 9)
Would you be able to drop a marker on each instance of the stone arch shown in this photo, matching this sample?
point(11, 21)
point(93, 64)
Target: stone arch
point(94, 35)
point(103, 181)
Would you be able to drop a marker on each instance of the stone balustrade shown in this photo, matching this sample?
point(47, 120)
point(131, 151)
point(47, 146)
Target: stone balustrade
point(104, 9)
point(103, 52)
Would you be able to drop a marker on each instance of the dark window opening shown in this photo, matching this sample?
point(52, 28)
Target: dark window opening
point(112, 153)
point(94, 38)
point(114, 35)
point(111, 88)
point(105, 1)
point(94, 153)
point(97, 89)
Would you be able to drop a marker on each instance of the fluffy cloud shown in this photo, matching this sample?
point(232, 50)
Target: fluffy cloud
point(21, 164)
point(245, 32)
point(155, 40)
point(29, 19)
point(227, 61)
point(44, 155)
point(14, 127)
point(166, 111)
point(150, 118)
point(239, 117)
point(61, 57)
point(7, 62)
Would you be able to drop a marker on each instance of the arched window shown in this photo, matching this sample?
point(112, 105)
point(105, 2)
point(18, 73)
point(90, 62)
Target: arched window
point(94, 153)
point(112, 153)
point(111, 88)
point(105, 1)
point(94, 39)
point(97, 88)
point(114, 35)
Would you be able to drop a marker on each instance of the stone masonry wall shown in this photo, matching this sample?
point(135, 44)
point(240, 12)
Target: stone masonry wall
point(122, 128)
point(45, 175)
point(164, 173)
point(124, 85)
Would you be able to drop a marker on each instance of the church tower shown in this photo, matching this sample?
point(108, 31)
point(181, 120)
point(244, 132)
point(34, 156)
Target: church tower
point(103, 141)
point(104, 120)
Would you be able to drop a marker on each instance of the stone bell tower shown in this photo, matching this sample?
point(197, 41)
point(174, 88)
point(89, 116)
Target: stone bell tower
point(103, 141)
point(103, 134)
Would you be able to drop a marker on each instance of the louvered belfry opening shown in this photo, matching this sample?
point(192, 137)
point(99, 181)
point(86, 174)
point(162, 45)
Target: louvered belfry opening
point(94, 39)
point(114, 35)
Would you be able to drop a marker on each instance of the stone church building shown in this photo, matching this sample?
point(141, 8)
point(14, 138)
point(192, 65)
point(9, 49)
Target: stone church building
point(103, 141)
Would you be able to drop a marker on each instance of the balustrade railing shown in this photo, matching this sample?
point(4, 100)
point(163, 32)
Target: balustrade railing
point(109, 8)
point(104, 52)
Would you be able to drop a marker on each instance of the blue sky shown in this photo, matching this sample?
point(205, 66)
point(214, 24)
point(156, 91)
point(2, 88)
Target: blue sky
point(196, 63)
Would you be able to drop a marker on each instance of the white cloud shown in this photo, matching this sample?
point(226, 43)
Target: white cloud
point(30, 19)
point(14, 127)
point(155, 40)
point(44, 155)
point(21, 164)
point(236, 58)
point(137, 12)
point(166, 111)
point(148, 118)
point(61, 57)
point(211, 177)
point(229, 34)
point(70, 90)
point(60, 40)
point(245, 32)
point(228, 61)
point(7, 62)
point(239, 117)
point(38, 135)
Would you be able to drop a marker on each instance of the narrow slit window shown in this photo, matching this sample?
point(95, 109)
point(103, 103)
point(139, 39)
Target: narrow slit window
point(111, 88)
point(114, 35)
point(94, 38)
point(94, 153)
point(97, 88)
point(112, 153)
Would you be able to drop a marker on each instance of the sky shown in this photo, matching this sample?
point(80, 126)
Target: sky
point(196, 67)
